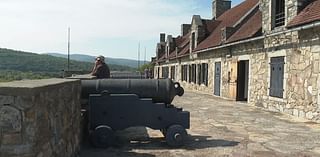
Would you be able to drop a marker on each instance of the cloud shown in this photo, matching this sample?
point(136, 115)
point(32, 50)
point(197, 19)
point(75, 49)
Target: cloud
point(41, 25)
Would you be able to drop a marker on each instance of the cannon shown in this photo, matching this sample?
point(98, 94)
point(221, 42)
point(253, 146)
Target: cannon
point(161, 90)
point(117, 104)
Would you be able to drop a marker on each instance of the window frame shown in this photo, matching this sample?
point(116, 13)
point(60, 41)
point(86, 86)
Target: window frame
point(278, 14)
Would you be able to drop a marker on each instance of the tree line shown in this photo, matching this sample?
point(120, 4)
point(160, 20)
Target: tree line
point(18, 65)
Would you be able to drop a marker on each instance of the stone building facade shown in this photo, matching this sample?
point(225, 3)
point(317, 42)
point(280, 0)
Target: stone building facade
point(263, 52)
point(40, 118)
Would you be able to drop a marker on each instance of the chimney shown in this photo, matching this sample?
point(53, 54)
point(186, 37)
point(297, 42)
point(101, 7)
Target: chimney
point(162, 37)
point(160, 50)
point(219, 7)
point(185, 29)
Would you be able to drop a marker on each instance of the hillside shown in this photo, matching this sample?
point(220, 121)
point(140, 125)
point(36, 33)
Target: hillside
point(15, 65)
point(88, 58)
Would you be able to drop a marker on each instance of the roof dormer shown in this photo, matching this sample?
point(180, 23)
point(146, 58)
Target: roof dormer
point(276, 14)
point(169, 45)
point(198, 31)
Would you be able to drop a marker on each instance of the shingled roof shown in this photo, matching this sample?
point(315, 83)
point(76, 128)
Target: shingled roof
point(246, 17)
point(182, 43)
point(249, 29)
point(229, 19)
point(310, 13)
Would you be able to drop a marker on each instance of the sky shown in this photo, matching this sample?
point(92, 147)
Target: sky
point(113, 28)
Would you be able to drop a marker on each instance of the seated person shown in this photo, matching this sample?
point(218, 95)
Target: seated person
point(100, 69)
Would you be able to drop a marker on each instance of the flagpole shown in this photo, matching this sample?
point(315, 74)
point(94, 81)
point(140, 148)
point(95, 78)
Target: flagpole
point(139, 56)
point(68, 48)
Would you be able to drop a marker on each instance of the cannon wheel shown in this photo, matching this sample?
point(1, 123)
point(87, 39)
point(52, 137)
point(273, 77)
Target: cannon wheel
point(102, 136)
point(176, 135)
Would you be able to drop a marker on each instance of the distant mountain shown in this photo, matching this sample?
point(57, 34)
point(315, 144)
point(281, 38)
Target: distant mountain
point(26, 61)
point(87, 58)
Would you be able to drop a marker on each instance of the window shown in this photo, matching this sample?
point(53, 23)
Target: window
point(193, 73)
point(190, 73)
point(165, 72)
point(204, 74)
point(184, 72)
point(199, 76)
point(173, 72)
point(278, 14)
point(276, 78)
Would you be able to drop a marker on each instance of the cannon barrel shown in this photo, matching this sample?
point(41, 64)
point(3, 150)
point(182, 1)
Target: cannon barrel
point(160, 90)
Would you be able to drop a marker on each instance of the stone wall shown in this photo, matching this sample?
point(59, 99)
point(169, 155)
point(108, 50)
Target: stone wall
point(40, 118)
point(301, 74)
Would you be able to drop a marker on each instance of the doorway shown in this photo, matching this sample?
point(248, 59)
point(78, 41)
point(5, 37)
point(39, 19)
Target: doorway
point(242, 80)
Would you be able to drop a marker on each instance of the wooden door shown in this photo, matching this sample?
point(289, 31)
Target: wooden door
point(233, 71)
point(217, 78)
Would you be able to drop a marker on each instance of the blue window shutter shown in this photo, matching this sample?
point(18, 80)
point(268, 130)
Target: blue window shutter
point(277, 76)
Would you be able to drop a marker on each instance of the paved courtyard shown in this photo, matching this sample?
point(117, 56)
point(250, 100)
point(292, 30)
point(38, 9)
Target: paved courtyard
point(221, 128)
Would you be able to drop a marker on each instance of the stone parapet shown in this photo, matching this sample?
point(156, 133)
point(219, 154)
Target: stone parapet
point(40, 118)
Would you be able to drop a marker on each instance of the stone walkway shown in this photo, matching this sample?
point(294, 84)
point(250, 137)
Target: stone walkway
point(222, 128)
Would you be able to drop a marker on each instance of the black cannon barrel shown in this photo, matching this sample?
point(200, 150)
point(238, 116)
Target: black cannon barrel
point(160, 90)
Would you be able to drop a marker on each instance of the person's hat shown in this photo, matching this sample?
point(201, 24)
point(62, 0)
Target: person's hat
point(100, 58)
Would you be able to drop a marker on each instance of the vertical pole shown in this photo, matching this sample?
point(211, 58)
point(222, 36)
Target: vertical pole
point(139, 56)
point(68, 48)
point(145, 52)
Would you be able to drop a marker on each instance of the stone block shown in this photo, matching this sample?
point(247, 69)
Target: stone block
point(30, 115)
point(24, 102)
point(316, 114)
point(6, 100)
point(316, 67)
point(265, 105)
point(47, 150)
point(281, 109)
point(40, 154)
point(17, 150)
point(288, 106)
point(10, 119)
point(11, 139)
point(315, 48)
point(272, 108)
point(309, 115)
point(296, 112)
point(288, 111)
point(302, 114)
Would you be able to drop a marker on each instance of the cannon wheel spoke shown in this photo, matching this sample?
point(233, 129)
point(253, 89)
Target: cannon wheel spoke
point(176, 135)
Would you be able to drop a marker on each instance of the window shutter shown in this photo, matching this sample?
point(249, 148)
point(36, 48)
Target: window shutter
point(276, 78)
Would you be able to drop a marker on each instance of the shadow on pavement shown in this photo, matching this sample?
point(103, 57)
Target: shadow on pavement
point(200, 142)
point(192, 143)
point(137, 138)
point(95, 152)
